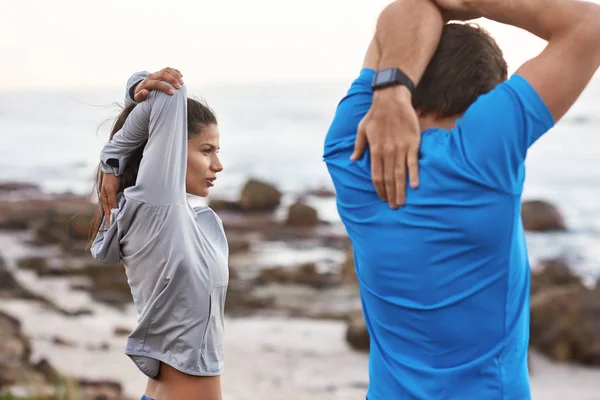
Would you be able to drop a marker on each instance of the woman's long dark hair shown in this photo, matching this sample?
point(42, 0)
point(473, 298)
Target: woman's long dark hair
point(199, 116)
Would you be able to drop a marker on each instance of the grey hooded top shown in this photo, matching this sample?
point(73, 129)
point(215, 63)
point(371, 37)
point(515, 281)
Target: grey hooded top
point(175, 256)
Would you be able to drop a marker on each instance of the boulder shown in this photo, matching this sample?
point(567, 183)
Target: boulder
point(23, 213)
point(259, 196)
point(304, 274)
point(7, 282)
point(347, 269)
point(302, 215)
point(238, 243)
point(308, 274)
point(58, 341)
point(541, 216)
point(565, 323)
point(121, 331)
point(109, 284)
point(37, 264)
point(100, 389)
point(356, 332)
point(224, 205)
point(274, 275)
point(62, 227)
point(242, 301)
point(48, 371)
point(322, 191)
point(554, 272)
point(15, 353)
point(6, 187)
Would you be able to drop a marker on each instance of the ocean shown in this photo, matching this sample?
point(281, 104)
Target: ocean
point(275, 133)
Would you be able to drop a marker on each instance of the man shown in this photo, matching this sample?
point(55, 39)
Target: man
point(444, 279)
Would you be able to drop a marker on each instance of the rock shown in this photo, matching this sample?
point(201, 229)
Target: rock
point(336, 241)
point(15, 353)
point(565, 323)
point(307, 274)
point(301, 215)
point(555, 272)
point(242, 301)
point(18, 187)
point(58, 341)
point(304, 274)
point(274, 275)
point(13, 344)
point(100, 390)
point(541, 216)
point(121, 331)
point(259, 196)
point(237, 223)
point(63, 227)
point(104, 346)
point(22, 213)
point(48, 371)
point(348, 271)
point(356, 332)
point(224, 205)
point(109, 283)
point(37, 264)
point(8, 284)
point(321, 192)
point(238, 243)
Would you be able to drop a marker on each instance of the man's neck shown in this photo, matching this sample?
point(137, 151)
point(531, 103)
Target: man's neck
point(428, 122)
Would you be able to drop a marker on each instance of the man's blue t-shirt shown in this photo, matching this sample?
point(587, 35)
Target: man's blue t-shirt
point(444, 280)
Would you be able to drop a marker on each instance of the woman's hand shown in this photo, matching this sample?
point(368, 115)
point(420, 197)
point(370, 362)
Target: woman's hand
point(156, 81)
point(108, 194)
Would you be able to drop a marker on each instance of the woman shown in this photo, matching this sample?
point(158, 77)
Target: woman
point(175, 256)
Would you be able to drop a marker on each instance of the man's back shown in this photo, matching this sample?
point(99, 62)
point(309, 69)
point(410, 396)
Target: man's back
point(445, 279)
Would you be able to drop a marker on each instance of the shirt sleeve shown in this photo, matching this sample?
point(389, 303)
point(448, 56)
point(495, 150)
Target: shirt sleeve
point(351, 179)
point(495, 133)
point(350, 111)
point(115, 153)
point(131, 82)
point(162, 120)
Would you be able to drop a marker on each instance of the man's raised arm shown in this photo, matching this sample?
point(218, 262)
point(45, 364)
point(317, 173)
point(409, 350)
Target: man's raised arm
point(571, 27)
point(408, 32)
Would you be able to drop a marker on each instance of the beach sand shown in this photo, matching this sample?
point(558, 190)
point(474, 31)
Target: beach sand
point(266, 358)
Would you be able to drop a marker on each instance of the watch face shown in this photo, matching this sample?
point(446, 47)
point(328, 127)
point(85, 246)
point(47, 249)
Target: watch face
point(384, 76)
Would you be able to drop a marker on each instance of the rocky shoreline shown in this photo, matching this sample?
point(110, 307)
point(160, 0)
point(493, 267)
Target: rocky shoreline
point(284, 262)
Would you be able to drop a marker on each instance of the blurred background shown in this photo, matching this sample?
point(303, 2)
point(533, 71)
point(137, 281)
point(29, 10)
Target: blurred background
point(274, 72)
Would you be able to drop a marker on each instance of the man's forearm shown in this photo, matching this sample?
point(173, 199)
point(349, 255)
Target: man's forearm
point(547, 19)
point(408, 32)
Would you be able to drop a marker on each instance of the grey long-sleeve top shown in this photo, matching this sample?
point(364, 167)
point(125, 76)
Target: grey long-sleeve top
point(175, 256)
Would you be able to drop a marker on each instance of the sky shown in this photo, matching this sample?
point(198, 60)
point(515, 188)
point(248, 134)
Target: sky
point(68, 44)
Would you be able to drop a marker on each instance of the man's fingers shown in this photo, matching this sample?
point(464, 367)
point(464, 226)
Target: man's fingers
point(400, 179)
point(389, 157)
point(359, 144)
point(412, 162)
point(172, 77)
point(141, 95)
point(176, 73)
point(159, 85)
point(377, 173)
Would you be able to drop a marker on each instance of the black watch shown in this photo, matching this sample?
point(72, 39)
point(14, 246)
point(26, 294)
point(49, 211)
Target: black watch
point(392, 77)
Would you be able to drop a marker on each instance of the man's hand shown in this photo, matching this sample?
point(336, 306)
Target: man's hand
point(108, 194)
point(391, 127)
point(156, 81)
point(457, 10)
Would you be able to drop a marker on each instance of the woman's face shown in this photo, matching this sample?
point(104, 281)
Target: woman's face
point(203, 163)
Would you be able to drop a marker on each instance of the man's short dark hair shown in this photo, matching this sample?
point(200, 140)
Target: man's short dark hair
point(466, 64)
